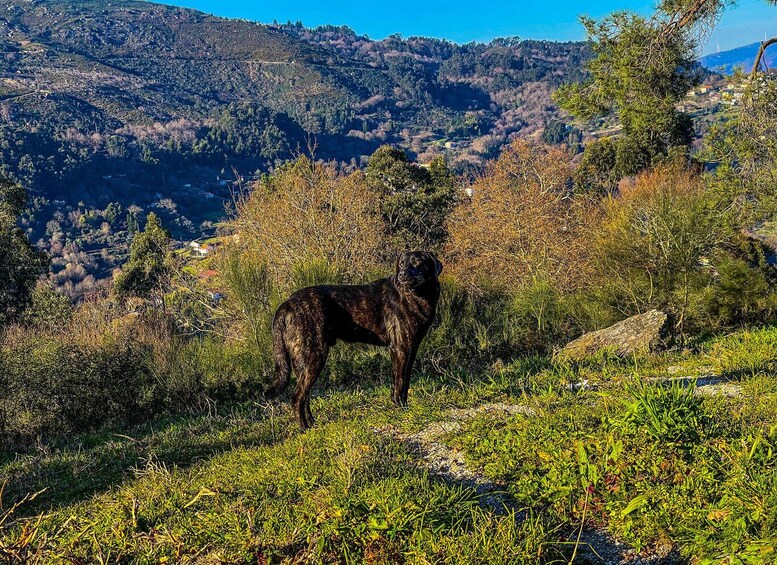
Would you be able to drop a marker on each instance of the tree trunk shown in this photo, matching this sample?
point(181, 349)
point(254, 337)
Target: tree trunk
point(760, 55)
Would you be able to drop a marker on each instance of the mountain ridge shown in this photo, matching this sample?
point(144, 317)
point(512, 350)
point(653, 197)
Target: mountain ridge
point(743, 56)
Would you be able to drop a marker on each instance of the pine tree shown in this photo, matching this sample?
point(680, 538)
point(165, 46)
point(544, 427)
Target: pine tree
point(20, 263)
point(149, 265)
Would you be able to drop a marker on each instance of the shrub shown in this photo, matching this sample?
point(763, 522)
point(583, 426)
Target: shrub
point(52, 387)
point(50, 310)
point(104, 370)
point(742, 293)
point(669, 413)
point(310, 211)
point(520, 225)
point(666, 241)
point(647, 249)
point(475, 328)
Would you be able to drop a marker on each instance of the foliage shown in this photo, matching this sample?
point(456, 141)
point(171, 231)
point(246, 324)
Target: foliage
point(20, 263)
point(648, 246)
point(415, 201)
point(99, 369)
point(149, 264)
point(310, 211)
point(520, 226)
point(743, 291)
point(49, 310)
point(640, 71)
point(598, 172)
point(667, 413)
point(252, 297)
point(557, 132)
point(250, 131)
point(745, 153)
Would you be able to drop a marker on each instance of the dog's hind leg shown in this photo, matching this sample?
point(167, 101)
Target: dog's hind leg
point(308, 370)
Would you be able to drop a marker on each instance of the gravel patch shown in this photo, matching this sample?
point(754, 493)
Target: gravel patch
point(449, 463)
point(596, 545)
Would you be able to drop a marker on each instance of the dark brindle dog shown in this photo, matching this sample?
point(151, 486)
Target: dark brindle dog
point(395, 312)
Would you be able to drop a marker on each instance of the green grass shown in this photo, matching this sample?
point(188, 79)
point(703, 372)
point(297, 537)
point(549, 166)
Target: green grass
point(654, 465)
point(745, 353)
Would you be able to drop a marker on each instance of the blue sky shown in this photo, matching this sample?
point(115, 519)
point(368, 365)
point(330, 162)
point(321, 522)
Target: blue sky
point(465, 20)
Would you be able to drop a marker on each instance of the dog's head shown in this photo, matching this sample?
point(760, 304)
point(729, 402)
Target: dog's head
point(418, 269)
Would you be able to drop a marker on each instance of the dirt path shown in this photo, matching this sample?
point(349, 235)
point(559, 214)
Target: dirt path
point(448, 463)
point(596, 546)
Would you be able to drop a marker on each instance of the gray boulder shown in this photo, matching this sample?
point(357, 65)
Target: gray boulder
point(643, 333)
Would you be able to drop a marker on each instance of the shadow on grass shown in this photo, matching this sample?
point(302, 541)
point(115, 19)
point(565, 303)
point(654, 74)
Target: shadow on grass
point(77, 469)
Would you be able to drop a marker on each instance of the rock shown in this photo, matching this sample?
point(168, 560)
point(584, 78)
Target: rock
point(643, 333)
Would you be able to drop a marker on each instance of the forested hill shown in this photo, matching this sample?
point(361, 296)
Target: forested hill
point(108, 110)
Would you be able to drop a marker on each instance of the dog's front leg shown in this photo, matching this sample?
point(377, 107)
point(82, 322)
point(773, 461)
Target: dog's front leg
point(402, 364)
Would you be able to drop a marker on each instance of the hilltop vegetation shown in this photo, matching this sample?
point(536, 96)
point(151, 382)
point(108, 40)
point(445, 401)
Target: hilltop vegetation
point(154, 108)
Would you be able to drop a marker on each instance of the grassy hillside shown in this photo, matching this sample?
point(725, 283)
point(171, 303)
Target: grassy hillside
point(529, 463)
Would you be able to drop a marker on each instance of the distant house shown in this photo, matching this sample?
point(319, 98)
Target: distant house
point(199, 249)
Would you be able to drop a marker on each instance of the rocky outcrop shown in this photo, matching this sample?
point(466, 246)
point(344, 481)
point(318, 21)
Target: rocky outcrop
point(643, 333)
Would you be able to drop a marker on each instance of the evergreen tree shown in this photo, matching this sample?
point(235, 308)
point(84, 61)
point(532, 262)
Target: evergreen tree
point(642, 68)
point(132, 224)
point(149, 265)
point(20, 263)
point(415, 201)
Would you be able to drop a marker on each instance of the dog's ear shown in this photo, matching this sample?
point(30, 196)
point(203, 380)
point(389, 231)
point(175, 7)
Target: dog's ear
point(399, 262)
point(437, 264)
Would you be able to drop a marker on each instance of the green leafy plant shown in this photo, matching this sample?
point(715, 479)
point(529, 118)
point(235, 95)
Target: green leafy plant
point(669, 413)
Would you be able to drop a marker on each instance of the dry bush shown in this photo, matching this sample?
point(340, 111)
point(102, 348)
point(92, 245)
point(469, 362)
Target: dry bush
point(521, 224)
point(653, 245)
point(310, 212)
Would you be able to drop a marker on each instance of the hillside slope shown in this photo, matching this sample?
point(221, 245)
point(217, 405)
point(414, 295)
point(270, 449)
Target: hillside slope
point(111, 110)
point(535, 463)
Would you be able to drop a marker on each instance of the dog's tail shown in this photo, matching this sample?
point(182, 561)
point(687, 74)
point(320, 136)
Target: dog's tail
point(282, 359)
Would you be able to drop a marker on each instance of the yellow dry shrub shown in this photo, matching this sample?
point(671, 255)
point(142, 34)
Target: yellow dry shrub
point(650, 248)
point(521, 224)
point(310, 212)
